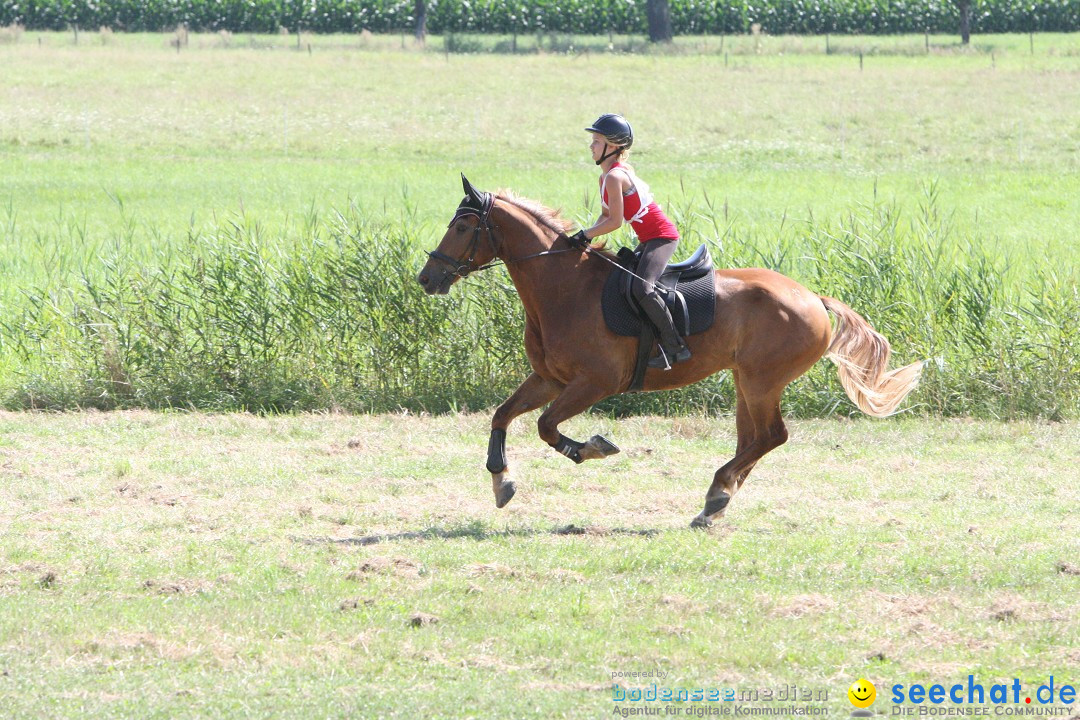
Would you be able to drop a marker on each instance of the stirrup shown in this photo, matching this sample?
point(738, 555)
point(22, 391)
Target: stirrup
point(663, 361)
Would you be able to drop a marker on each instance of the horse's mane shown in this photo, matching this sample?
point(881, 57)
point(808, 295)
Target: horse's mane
point(545, 216)
point(551, 219)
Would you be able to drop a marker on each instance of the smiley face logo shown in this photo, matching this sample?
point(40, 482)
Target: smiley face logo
point(862, 693)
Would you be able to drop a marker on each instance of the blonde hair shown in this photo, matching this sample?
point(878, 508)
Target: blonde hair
point(621, 157)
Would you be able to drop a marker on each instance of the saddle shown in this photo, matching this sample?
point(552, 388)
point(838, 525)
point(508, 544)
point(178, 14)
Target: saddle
point(688, 289)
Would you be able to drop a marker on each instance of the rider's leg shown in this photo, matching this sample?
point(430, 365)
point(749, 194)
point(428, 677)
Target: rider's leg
point(655, 255)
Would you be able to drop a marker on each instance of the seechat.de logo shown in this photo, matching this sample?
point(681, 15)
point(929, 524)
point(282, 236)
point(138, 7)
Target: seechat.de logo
point(975, 693)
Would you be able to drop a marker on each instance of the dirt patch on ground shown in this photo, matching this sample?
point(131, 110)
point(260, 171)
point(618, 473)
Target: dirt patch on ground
point(183, 586)
point(401, 567)
point(1012, 608)
point(422, 619)
point(1067, 568)
point(354, 603)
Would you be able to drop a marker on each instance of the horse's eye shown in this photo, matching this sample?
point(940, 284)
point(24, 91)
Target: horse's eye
point(461, 228)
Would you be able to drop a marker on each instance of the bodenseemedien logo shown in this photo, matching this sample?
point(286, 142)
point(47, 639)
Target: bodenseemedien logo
point(862, 694)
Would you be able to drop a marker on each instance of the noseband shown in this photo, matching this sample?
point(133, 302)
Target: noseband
point(480, 207)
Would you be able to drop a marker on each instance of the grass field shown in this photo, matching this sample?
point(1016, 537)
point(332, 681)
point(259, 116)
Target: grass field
point(931, 190)
point(183, 565)
point(196, 137)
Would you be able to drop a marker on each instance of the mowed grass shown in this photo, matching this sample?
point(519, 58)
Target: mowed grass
point(125, 141)
point(166, 565)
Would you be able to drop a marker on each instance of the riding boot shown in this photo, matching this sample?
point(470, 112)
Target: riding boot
point(672, 348)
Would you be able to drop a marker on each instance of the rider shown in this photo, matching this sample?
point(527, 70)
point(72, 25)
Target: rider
point(624, 197)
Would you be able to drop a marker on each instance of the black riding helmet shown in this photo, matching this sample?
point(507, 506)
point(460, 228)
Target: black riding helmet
point(615, 130)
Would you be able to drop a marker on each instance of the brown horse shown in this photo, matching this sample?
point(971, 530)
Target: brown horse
point(768, 331)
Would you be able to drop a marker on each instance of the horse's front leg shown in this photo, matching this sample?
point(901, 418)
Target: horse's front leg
point(577, 397)
point(533, 393)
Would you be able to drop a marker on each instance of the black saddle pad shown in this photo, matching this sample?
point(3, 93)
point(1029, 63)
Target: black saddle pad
point(695, 298)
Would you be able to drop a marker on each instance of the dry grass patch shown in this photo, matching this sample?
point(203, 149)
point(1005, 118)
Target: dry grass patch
point(804, 606)
point(401, 567)
point(909, 605)
point(566, 687)
point(682, 604)
point(569, 577)
point(495, 570)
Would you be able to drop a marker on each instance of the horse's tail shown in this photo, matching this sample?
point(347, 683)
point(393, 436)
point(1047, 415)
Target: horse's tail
point(862, 359)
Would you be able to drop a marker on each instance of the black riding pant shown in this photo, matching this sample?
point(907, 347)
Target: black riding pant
point(655, 255)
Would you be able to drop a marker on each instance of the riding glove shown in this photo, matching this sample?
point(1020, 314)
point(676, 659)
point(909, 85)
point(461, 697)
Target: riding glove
point(578, 240)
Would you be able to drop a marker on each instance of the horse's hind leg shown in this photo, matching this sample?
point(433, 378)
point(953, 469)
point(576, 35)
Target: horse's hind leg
point(531, 394)
point(761, 429)
point(576, 398)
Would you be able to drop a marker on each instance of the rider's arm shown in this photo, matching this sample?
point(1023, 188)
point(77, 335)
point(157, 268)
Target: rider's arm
point(612, 217)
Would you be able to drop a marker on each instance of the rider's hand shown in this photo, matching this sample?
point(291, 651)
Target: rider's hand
point(578, 240)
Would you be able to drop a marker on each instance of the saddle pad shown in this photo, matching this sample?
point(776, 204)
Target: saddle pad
point(700, 295)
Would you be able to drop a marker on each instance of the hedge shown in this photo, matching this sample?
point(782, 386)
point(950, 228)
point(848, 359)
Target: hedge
point(591, 17)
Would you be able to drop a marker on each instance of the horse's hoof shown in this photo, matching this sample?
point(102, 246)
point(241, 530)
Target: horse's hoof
point(597, 447)
point(716, 505)
point(701, 523)
point(604, 445)
point(504, 490)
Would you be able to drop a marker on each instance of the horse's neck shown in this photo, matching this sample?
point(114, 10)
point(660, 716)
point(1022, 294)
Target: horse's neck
point(551, 284)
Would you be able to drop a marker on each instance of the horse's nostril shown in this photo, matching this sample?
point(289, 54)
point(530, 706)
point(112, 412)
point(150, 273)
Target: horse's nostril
point(423, 279)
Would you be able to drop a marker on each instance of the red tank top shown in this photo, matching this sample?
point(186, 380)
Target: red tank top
point(644, 215)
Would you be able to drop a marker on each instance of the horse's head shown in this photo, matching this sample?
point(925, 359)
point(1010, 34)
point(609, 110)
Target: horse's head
point(467, 245)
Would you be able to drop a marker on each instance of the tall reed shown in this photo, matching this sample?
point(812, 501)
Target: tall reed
point(331, 317)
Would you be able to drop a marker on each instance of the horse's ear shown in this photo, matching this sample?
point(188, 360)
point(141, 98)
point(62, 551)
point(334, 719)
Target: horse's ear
point(470, 191)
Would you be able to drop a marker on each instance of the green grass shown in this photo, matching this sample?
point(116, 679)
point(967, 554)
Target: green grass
point(122, 153)
point(158, 565)
point(201, 132)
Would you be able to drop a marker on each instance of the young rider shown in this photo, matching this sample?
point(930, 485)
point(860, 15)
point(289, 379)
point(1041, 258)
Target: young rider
point(624, 197)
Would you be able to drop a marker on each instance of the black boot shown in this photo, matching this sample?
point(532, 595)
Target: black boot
point(672, 348)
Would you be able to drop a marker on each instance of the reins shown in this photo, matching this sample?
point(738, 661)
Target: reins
point(462, 268)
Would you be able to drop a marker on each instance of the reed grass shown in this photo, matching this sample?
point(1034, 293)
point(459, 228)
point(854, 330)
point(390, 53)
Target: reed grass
point(333, 319)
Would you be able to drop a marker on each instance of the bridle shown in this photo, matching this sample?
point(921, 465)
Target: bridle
point(479, 206)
